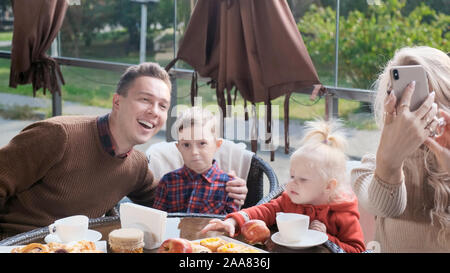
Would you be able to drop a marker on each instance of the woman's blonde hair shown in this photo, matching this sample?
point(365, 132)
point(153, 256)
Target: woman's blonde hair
point(326, 141)
point(437, 66)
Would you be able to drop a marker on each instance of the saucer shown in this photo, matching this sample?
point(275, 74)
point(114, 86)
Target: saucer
point(312, 238)
point(91, 235)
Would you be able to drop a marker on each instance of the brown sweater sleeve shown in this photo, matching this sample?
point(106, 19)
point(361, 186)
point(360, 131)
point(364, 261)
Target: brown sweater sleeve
point(29, 155)
point(144, 192)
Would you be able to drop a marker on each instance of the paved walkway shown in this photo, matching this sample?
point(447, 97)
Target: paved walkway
point(69, 108)
point(5, 43)
point(361, 142)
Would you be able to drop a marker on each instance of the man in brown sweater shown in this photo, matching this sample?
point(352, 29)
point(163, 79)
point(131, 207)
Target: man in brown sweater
point(71, 165)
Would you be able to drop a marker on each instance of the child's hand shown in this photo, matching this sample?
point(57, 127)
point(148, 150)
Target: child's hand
point(228, 225)
point(319, 226)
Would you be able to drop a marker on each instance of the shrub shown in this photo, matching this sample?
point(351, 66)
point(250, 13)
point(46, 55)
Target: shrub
point(369, 39)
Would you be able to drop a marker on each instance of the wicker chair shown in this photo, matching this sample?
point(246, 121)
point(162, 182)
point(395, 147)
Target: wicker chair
point(255, 182)
point(272, 194)
point(38, 235)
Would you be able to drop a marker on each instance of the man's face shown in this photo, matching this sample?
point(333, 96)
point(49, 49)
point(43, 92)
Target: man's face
point(143, 111)
point(197, 146)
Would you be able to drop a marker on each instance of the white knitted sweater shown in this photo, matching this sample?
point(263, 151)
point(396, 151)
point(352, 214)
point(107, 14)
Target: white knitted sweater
point(402, 212)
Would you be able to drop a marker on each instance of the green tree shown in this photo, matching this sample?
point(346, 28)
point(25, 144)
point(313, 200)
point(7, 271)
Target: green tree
point(368, 39)
point(159, 17)
point(84, 22)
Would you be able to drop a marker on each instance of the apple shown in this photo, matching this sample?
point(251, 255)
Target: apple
point(255, 232)
point(175, 245)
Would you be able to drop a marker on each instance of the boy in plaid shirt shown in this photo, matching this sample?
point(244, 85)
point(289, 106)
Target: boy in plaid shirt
point(199, 186)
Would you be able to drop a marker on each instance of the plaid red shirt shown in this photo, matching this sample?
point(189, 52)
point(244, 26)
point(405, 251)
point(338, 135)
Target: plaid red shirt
point(106, 137)
point(183, 190)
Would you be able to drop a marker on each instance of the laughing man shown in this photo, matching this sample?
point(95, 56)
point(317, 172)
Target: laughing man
point(71, 165)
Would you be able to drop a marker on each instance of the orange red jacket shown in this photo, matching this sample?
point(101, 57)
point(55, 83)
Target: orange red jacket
point(341, 219)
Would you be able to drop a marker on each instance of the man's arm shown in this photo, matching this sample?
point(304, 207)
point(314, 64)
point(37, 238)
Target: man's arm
point(144, 192)
point(28, 156)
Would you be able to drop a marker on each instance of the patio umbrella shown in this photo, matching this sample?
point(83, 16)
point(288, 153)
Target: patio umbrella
point(36, 24)
point(253, 46)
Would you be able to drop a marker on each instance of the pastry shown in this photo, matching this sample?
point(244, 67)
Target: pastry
point(32, 248)
point(198, 248)
point(78, 247)
point(236, 248)
point(58, 248)
point(83, 247)
point(213, 243)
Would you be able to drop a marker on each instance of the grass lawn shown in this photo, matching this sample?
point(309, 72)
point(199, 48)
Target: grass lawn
point(6, 36)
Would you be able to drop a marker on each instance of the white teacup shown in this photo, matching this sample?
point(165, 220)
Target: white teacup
point(292, 226)
point(73, 228)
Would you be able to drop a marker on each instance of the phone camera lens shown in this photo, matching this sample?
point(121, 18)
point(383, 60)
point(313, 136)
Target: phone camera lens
point(395, 72)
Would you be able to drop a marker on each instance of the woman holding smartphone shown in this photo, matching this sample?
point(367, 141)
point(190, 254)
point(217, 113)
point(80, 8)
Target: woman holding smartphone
point(407, 184)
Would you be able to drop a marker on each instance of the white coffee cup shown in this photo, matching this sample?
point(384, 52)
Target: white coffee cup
point(73, 228)
point(292, 226)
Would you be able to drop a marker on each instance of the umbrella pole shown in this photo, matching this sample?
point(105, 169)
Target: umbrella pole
point(56, 96)
point(143, 39)
point(173, 79)
point(171, 118)
point(333, 102)
point(56, 102)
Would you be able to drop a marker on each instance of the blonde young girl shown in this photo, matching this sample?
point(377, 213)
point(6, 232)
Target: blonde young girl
point(318, 187)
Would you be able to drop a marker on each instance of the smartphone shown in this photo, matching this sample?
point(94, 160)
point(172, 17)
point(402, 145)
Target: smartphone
point(401, 76)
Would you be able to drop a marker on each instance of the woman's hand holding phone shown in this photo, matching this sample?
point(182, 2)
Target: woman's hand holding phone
point(403, 132)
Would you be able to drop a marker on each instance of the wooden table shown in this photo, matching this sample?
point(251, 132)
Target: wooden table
point(187, 227)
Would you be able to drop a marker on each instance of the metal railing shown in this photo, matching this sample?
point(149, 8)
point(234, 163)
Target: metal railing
point(338, 92)
point(332, 96)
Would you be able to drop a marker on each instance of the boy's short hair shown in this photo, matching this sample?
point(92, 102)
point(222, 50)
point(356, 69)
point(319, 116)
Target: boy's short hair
point(196, 116)
point(148, 69)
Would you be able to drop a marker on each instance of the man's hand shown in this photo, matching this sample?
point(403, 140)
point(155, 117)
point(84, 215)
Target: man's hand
point(237, 188)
